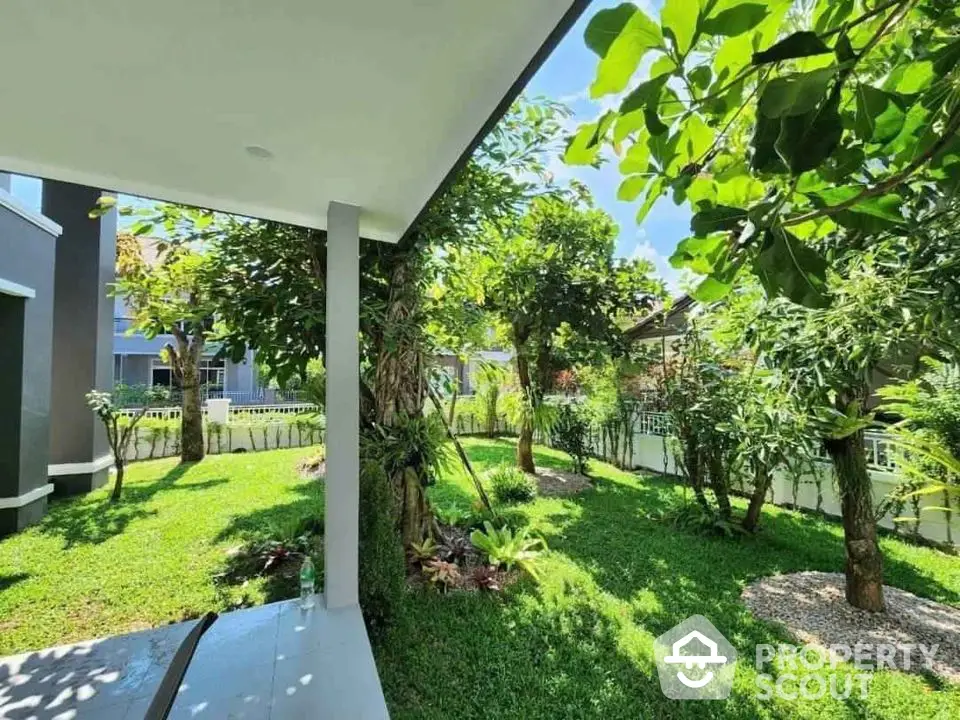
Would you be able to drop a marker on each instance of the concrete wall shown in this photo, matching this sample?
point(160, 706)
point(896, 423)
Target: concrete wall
point(817, 490)
point(27, 252)
point(82, 334)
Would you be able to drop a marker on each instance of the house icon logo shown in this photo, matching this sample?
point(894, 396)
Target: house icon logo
point(694, 661)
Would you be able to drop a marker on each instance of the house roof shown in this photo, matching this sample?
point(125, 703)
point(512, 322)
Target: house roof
point(266, 109)
point(653, 325)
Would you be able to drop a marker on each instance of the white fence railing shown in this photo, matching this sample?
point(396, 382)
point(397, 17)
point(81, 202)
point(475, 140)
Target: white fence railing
point(927, 516)
point(225, 429)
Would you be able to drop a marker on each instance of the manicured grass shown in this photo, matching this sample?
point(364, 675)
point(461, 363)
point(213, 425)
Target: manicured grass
point(93, 568)
point(579, 643)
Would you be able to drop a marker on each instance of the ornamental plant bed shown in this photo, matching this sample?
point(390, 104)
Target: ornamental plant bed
point(472, 573)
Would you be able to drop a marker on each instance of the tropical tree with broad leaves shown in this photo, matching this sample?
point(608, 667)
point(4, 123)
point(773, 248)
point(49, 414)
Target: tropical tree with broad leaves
point(167, 284)
point(553, 280)
point(779, 124)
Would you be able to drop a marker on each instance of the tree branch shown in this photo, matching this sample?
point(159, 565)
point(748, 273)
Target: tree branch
point(952, 127)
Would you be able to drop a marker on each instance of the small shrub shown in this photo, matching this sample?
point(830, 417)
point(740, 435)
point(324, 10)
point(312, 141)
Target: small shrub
point(512, 485)
point(451, 515)
point(571, 434)
point(442, 575)
point(424, 551)
point(508, 549)
point(382, 567)
point(486, 578)
point(454, 549)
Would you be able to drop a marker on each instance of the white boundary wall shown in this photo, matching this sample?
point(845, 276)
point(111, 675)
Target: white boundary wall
point(817, 490)
point(243, 430)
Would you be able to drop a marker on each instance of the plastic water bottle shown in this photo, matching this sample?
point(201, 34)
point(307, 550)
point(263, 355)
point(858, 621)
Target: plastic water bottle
point(308, 582)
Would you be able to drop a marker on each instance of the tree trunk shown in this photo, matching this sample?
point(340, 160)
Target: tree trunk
point(400, 388)
point(718, 482)
point(525, 440)
point(761, 484)
point(191, 416)
point(117, 482)
point(691, 462)
point(864, 566)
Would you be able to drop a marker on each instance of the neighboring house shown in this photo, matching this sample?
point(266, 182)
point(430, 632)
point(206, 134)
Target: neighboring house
point(663, 324)
point(663, 328)
point(137, 359)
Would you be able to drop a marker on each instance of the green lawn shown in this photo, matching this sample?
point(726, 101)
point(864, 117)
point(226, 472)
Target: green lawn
point(576, 645)
point(579, 645)
point(93, 568)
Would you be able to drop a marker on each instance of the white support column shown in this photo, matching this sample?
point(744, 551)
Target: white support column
point(342, 358)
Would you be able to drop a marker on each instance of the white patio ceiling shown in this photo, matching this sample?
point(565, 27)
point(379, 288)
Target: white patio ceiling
point(264, 108)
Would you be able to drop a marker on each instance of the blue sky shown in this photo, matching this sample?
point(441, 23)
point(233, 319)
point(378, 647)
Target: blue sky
point(565, 76)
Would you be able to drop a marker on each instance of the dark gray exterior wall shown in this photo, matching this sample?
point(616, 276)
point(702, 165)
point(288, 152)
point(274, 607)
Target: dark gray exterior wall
point(82, 330)
point(26, 325)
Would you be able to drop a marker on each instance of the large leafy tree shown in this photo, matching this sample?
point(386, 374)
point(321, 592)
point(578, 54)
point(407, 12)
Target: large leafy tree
point(553, 280)
point(878, 326)
point(273, 278)
point(780, 123)
point(172, 292)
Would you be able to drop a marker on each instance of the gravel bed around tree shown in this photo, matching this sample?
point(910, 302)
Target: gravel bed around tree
point(811, 605)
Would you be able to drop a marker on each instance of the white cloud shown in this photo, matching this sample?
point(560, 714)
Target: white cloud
point(675, 280)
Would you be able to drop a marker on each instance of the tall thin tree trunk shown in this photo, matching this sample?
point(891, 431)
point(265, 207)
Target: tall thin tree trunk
point(692, 464)
point(400, 388)
point(525, 440)
point(761, 484)
point(191, 415)
point(864, 566)
point(118, 481)
point(718, 482)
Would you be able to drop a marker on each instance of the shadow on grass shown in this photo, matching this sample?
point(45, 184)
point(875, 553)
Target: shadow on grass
point(285, 523)
point(8, 581)
point(85, 521)
point(688, 572)
point(579, 650)
point(521, 658)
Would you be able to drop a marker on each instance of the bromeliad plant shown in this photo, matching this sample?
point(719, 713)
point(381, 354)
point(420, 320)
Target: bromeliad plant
point(778, 124)
point(441, 574)
point(507, 548)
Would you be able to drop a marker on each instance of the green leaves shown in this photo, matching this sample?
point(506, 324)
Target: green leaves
point(716, 219)
point(637, 159)
point(638, 35)
point(805, 141)
point(880, 114)
point(786, 266)
point(873, 214)
point(643, 95)
point(584, 147)
point(679, 18)
point(736, 20)
point(800, 44)
point(631, 187)
point(605, 26)
point(795, 94)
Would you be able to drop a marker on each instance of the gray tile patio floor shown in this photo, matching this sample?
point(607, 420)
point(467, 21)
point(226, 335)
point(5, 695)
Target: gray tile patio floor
point(266, 663)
